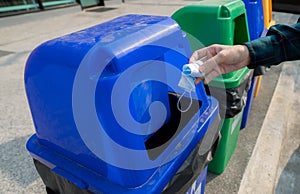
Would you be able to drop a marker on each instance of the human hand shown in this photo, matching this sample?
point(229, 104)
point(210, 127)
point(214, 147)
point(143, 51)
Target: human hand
point(220, 59)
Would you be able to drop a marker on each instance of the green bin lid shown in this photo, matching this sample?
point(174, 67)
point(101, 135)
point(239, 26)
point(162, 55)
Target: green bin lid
point(229, 80)
point(213, 22)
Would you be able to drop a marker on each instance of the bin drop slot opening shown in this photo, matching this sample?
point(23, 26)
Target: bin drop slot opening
point(161, 139)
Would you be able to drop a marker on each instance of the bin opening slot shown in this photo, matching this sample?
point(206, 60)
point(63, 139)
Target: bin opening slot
point(241, 34)
point(161, 139)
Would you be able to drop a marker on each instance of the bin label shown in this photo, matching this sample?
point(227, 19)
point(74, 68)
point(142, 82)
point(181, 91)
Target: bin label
point(196, 186)
point(236, 121)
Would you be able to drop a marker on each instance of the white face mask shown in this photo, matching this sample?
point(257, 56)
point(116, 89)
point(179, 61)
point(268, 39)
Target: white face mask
point(186, 82)
point(192, 69)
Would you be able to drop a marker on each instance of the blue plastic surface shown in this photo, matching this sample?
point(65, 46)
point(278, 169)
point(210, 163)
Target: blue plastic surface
point(255, 17)
point(199, 185)
point(250, 94)
point(248, 105)
point(131, 51)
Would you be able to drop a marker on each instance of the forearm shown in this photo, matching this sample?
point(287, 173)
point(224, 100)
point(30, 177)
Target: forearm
point(282, 43)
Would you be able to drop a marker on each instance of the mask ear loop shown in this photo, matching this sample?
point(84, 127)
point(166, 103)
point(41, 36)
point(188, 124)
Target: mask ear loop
point(189, 106)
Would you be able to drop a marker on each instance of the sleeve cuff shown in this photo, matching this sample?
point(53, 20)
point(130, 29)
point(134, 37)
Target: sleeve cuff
point(252, 64)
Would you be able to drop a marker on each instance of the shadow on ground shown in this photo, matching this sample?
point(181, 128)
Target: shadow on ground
point(290, 177)
point(100, 9)
point(15, 162)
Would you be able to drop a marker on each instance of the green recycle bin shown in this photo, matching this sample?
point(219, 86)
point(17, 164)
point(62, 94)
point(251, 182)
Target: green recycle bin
point(232, 95)
point(220, 22)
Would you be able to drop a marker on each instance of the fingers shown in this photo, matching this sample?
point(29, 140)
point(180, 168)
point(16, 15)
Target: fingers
point(212, 67)
point(197, 55)
point(208, 77)
point(212, 58)
point(212, 64)
point(198, 80)
point(209, 68)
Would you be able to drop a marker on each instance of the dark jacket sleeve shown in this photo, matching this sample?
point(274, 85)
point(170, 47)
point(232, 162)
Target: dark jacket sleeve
point(282, 43)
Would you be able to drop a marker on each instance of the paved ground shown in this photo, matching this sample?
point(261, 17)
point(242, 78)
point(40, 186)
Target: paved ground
point(21, 34)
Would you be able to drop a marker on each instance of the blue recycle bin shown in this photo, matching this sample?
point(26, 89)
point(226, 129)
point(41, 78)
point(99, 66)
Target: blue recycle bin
point(103, 102)
point(255, 17)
